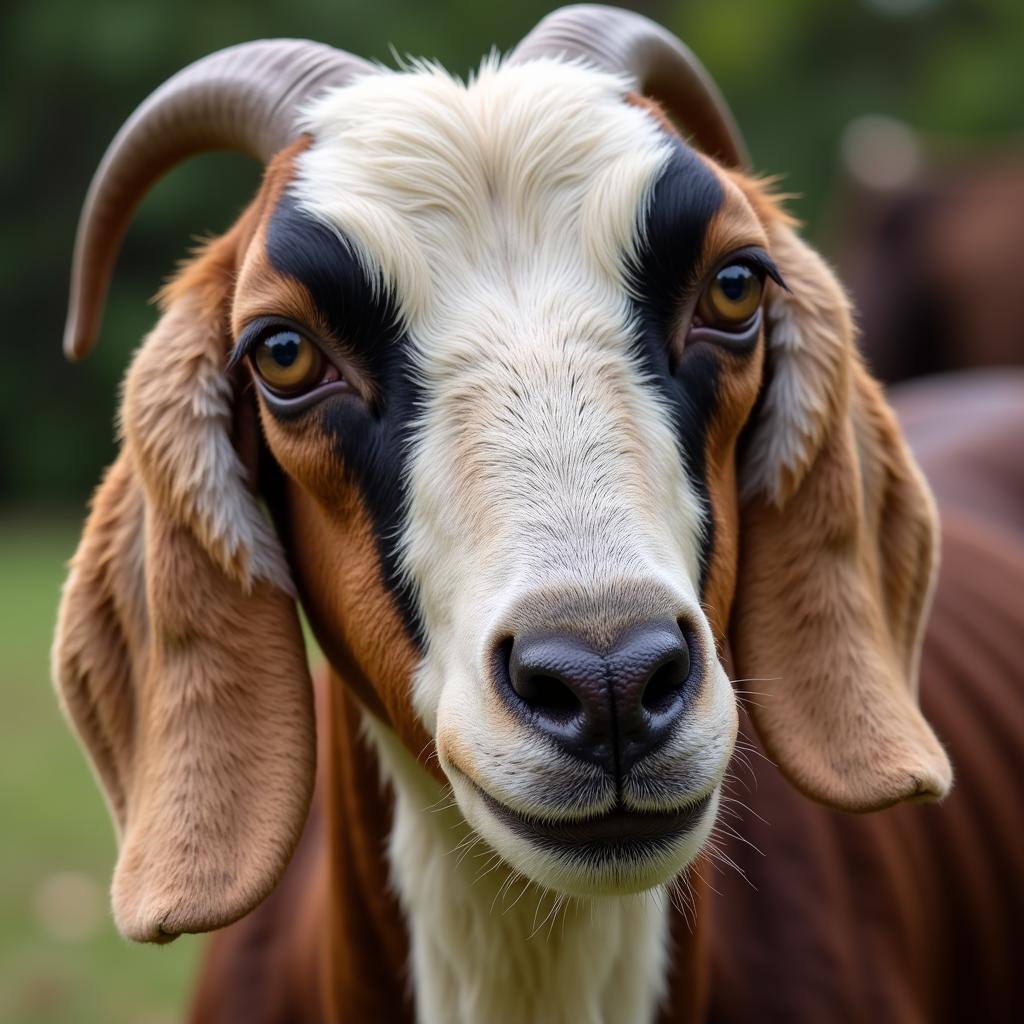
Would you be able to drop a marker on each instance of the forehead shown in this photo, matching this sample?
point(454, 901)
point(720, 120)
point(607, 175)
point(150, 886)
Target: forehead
point(523, 171)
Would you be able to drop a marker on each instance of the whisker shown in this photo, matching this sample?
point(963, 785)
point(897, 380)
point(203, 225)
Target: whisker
point(555, 904)
point(719, 856)
point(477, 840)
point(490, 865)
point(748, 747)
point(703, 880)
point(522, 893)
point(682, 899)
point(443, 802)
point(746, 806)
point(741, 757)
point(736, 835)
point(503, 889)
point(745, 702)
point(742, 808)
point(731, 779)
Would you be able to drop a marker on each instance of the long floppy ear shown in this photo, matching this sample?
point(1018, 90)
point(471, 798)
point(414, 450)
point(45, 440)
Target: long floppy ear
point(838, 557)
point(178, 656)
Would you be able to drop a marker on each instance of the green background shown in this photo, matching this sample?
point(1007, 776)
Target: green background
point(797, 72)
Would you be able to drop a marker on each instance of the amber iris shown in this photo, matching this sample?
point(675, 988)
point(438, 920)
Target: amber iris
point(288, 363)
point(732, 297)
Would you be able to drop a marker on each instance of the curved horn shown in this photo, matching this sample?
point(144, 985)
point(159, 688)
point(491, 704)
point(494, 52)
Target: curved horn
point(623, 42)
point(244, 98)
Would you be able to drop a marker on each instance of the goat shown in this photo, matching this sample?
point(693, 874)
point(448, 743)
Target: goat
point(926, 263)
point(553, 415)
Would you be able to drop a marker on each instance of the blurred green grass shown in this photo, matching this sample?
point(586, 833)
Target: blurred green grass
point(61, 960)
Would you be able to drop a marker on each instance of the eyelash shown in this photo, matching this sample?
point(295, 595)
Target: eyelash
point(257, 331)
point(714, 324)
point(324, 376)
point(754, 256)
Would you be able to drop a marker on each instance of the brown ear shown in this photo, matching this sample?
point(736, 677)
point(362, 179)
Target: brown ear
point(178, 654)
point(838, 559)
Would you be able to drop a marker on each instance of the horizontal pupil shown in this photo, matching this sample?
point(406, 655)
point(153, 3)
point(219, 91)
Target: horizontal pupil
point(734, 282)
point(284, 348)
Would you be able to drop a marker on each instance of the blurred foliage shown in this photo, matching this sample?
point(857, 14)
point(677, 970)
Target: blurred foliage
point(796, 71)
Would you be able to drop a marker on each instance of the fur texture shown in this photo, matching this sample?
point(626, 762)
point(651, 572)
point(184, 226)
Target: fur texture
point(570, 464)
point(839, 560)
point(487, 945)
point(179, 657)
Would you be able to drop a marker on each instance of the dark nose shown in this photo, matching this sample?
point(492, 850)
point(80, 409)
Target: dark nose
point(612, 707)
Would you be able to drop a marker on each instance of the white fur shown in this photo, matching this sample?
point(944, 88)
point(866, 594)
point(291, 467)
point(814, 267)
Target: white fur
point(502, 214)
point(486, 949)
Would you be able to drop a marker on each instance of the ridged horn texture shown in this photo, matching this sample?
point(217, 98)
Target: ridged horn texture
point(662, 67)
point(244, 98)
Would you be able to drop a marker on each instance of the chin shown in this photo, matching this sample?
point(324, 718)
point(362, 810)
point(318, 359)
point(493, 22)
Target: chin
point(614, 852)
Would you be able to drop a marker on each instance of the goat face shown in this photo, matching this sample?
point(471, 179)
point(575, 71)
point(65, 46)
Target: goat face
point(536, 434)
point(504, 340)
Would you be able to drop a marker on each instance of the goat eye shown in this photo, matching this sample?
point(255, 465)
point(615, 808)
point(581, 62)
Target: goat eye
point(288, 363)
point(732, 298)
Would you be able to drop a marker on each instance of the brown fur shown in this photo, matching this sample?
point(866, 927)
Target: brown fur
point(176, 666)
point(163, 589)
point(907, 915)
point(838, 556)
point(656, 110)
point(353, 616)
point(736, 396)
point(178, 654)
point(331, 933)
point(837, 655)
point(180, 659)
point(734, 226)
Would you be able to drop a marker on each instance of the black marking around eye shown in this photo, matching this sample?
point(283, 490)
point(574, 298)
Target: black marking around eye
point(683, 201)
point(372, 444)
point(359, 308)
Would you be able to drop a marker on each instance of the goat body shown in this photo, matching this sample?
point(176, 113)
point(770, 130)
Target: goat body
point(555, 416)
point(907, 915)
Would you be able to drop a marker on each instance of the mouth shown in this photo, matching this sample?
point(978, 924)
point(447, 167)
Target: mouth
point(615, 834)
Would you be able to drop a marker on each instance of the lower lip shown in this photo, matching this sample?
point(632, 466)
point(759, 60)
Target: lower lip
point(614, 832)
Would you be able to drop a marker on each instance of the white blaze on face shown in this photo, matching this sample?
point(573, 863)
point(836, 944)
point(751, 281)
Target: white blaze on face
point(502, 213)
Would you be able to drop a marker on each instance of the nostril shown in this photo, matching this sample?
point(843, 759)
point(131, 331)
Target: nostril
point(667, 681)
point(610, 705)
point(547, 693)
point(670, 676)
point(545, 674)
